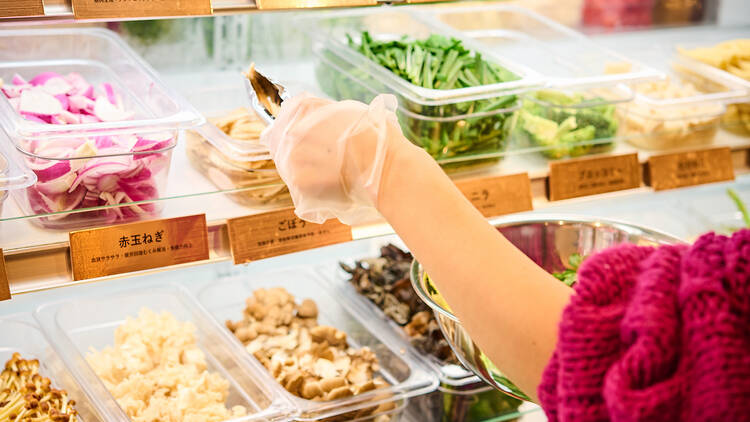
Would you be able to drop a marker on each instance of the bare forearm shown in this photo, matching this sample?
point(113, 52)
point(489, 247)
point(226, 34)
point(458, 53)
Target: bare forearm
point(510, 306)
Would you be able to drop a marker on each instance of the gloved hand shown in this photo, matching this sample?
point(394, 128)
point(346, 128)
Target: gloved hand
point(332, 154)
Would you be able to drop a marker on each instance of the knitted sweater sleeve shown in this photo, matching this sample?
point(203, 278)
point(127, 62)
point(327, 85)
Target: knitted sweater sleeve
point(656, 335)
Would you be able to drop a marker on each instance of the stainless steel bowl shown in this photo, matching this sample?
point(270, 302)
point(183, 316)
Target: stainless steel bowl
point(548, 240)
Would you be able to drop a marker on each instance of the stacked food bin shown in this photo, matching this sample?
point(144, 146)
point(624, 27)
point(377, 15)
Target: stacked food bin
point(94, 123)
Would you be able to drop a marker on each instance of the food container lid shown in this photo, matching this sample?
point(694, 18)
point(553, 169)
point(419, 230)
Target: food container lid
point(13, 173)
point(330, 30)
point(565, 58)
point(407, 377)
point(100, 56)
point(715, 86)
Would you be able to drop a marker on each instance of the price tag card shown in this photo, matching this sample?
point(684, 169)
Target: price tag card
point(138, 246)
point(4, 285)
point(114, 9)
point(593, 175)
point(309, 4)
point(18, 8)
point(280, 232)
point(669, 171)
point(499, 195)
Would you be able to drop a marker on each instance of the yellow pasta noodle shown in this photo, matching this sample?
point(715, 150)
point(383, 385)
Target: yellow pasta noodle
point(734, 57)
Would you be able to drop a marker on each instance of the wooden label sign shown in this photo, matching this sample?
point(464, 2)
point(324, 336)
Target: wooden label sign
point(308, 4)
point(499, 195)
point(138, 246)
point(593, 175)
point(4, 285)
point(109, 9)
point(669, 171)
point(280, 232)
point(18, 8)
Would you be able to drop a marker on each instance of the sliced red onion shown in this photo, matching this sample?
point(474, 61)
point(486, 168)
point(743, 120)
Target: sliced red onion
point(69, 118)
point(14, 91)
point(54, 170)
point(43, 77)
point(79, 103)
point(107, 112)
point(63, 101)
point(110, 92)
point(85, 118)
point(107, 183)
point(90, 173)
point(58, 186)
point(103, 142)
point(36, 118)
point(36, 101)
point(57, 86)
point(89, 92)
point(18, 80)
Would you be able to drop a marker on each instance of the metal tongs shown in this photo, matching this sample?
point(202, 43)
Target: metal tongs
point(265, 93)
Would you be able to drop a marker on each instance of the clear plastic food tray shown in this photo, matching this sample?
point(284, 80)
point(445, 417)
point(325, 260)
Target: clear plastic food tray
point(574, 68)
point(225, 300)
point(233, 164)
point(657, 123)
point(451, 375)
point(13, 175)
point(453, 125)
point(217, 100)
point(737, 118)
point(20, 334)
point(100, 56)
point(565, 58)
point(461, 395)
point(77, 326)
point(134, 175)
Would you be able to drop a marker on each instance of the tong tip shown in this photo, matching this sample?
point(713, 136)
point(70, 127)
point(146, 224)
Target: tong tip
point(266, 91)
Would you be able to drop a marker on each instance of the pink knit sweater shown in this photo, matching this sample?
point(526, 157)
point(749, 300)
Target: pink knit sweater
point(656, 335)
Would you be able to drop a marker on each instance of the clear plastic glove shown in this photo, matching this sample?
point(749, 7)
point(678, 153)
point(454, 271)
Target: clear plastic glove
point(332, 154)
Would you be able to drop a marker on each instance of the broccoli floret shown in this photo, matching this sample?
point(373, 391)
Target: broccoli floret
point(575, 125)
point(542, 131)
point(567, 125)
point(583, 134)
point(601, 118)
point(577, 136)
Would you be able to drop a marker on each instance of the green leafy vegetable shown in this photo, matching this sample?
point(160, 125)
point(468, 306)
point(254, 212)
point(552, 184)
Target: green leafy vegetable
point(740, 206)
point(436, 62)
point(554, 120)
point(570, 274)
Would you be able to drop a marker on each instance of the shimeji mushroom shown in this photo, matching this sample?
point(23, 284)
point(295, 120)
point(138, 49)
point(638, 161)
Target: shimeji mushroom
point(26, 396)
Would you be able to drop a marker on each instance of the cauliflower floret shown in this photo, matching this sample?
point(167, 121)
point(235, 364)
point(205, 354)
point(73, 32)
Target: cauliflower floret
point(156, 372)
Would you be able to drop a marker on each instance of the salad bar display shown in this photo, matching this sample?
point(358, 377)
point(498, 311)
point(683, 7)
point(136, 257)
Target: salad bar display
point(92, 136)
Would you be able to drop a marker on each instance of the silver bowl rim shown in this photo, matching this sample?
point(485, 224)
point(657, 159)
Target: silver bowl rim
point(561, 219)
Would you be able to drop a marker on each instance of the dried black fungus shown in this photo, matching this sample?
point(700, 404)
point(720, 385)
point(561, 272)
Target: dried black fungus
point(385, 281)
